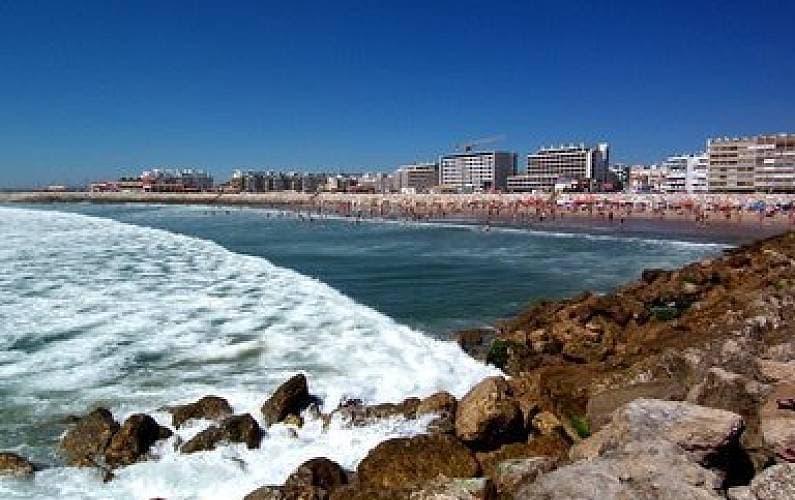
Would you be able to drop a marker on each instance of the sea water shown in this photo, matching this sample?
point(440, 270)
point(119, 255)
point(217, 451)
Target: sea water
point(137, 307)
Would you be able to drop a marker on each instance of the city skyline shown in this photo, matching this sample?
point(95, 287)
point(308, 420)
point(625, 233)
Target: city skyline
point(100, 88)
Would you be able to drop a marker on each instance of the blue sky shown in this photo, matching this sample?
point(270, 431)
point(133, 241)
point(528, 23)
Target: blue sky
point(96, 89)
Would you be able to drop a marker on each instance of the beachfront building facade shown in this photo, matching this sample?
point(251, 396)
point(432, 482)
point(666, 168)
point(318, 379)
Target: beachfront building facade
point(186, 180)
point(250, 181)
point(762, 163)
point(416, 178)
point(685, 174)
point(477, 171)
point(647, 178)
point(566, 168)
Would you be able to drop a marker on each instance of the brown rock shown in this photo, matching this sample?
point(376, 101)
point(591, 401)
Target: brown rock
point(444, 405)
point(488, 416)
point(235, 429)
point(602, 405)
point(12, 464)
point(286, 493)
point(357, 414)
point(488, 460)
point(85, 443)
point(133, 440)
point(208, 408)
point(291, 397)
point(778, 425)
point(318, 472)
point(399, 462)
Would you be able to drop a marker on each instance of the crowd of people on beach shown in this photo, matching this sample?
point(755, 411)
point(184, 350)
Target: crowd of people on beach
point(518, 209)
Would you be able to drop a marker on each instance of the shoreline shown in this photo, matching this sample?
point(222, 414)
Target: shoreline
point(488, 210)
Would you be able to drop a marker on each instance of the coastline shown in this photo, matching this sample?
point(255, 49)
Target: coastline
point(490, 210)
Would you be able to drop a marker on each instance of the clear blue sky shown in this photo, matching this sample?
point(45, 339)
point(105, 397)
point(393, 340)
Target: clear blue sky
point(96, 89)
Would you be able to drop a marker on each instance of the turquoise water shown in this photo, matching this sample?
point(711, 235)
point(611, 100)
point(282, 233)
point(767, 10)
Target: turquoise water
point(435, 278)
point(135, 307)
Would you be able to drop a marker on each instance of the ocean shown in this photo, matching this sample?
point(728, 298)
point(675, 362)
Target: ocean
point(135, 307)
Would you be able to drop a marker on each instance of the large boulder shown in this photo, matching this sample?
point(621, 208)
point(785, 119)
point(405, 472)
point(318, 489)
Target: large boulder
point(286, 493)
point(291, 397)
point(704, 432)
point(235, 429)
point(488, 416)
point(85, 443)
point(648, 469)
point(318, 472)
point(774, 483)
point(134, 439)
point(601, 406)
point(489, 460)
point(208, 408)
point(399, 462)
point(455, 489)
point(12, 464)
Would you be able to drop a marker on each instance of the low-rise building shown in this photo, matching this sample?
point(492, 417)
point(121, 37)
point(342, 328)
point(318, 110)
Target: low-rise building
point(417, 177)
point(685, 173)
point(176, 180)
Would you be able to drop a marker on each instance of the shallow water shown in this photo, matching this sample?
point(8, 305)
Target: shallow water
point(136, 307)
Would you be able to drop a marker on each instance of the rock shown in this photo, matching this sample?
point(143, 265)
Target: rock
point(12, 464)
point(85, 443)
point(704, 432)
point(509, 475)
point(455, 489)
point(547, 424)
point(489, 460)
point(488, 417)
point(235, 429)
point(357, 414)
point(399, 462)
point(290, 398)
point(208, 408)
point(318, 472)
point(777, 425)
point(474, 342)
point(774, 483)
point(133, 440)
point(286, 493)
point(777, 371)
point(293, 420)
point(444, 405)
point(651, 275)
point(655, 469)
point(602, 405)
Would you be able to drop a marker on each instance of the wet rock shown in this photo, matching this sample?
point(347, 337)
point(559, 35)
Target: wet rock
point(444, 405)
point(555, 446)
point(474, 342)
point(651, 275)
point(321, 473)
point(655, 469)
point(774, 483)
point(286, 493)
point(85, 443)
point(704, 432)
point(293, 420)
point(510, 475)
point(399, 462)
point(12, 464)
point(134, 439)
point(235, 429)
point(208, 408)
point(290, 398)
point(357, 414)
point(488, 416)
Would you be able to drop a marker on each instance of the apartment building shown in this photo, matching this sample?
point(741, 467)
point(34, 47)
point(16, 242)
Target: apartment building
point(477, 171)
point(417, 177)
point(762, 163)
point(572, 167)
point(685, 173)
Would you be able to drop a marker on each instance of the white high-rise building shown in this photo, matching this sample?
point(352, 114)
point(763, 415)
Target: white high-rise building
point(477, 171)
point(685, 173)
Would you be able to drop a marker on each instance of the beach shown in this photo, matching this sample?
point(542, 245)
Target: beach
point(745, 216)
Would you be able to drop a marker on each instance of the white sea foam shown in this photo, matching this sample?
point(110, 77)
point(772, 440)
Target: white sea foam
point(97, 312)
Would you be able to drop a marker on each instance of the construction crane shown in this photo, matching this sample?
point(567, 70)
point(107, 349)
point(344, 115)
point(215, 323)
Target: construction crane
point(469, 146)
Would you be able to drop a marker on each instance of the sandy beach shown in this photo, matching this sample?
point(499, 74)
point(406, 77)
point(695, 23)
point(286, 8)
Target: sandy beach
point(738, 217)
